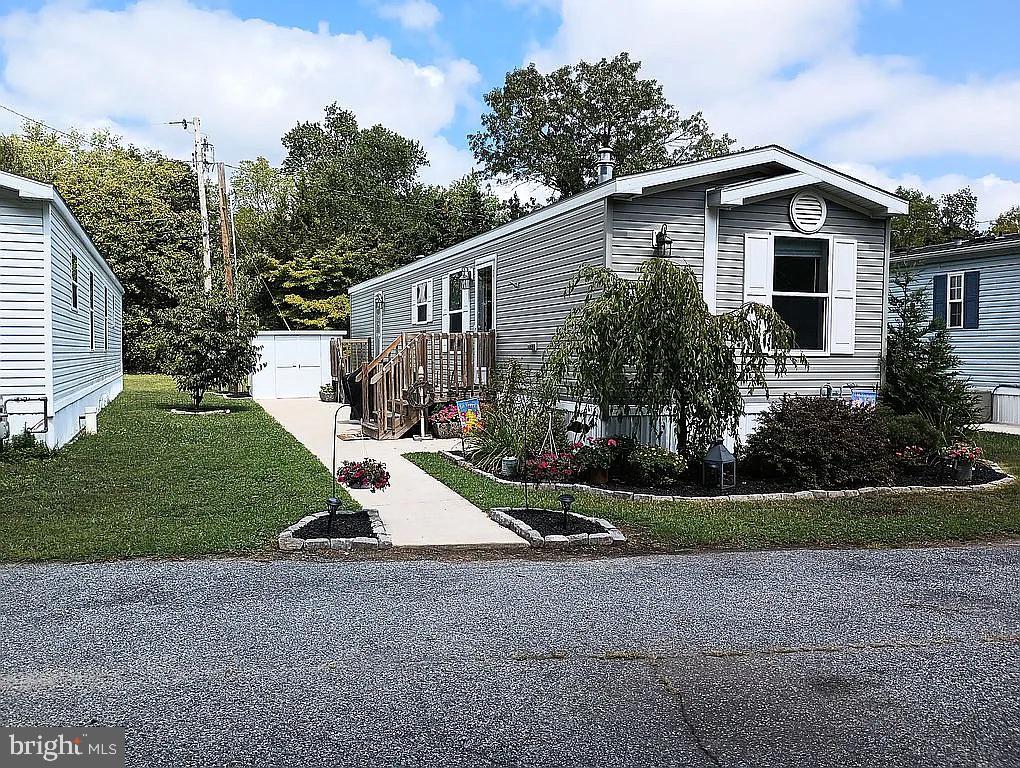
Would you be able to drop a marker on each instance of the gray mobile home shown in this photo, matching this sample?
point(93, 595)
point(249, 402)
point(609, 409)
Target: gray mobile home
point(973, 286)
point(60, 316)
point(764, 225)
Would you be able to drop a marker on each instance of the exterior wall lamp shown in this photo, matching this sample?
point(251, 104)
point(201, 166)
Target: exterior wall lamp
point(379, 301)
point(465, 277)
point(662, 243)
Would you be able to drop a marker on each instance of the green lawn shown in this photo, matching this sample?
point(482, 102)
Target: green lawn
point(874, 520)
point(152, 483)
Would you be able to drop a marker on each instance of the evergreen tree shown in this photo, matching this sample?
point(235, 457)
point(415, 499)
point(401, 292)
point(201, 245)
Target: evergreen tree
point(921, 370)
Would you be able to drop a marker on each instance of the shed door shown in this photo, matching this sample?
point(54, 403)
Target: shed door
point(298, 366)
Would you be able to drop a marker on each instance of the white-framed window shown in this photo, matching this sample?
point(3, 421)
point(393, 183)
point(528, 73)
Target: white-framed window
point(954, 300)
point(800, 288)
point(456, 304)
point(421, 302)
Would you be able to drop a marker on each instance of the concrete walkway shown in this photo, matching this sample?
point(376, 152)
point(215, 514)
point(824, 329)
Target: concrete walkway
point(1005, 429)
point(418, 510)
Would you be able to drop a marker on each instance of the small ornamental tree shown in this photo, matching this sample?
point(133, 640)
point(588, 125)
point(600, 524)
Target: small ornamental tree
point(208, 343)
point(921, 370)
point(652, 346)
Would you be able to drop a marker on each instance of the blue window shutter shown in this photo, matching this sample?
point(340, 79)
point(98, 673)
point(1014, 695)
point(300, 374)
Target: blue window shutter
point(971, 298)
point(939, 286)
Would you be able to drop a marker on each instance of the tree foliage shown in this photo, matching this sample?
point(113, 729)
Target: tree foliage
point(921, 370)
point(549, 128)
point(1007, 222)
point(931, 221)
point(209, 342)
point(345, 205)
point(140, 208)
point(652, 346)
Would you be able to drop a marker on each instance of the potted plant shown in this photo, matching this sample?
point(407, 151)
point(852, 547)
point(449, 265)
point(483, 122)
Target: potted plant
point(327, 393)
point(964, 456)
point(446, 422)
point(367, 474)
point(594, 458)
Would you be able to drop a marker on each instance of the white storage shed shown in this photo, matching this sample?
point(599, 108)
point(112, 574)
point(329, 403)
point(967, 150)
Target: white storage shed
point(296, 363)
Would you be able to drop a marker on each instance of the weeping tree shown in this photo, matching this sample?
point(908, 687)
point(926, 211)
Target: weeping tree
point(652, 346)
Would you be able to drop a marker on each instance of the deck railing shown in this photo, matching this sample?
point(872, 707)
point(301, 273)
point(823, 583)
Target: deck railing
point(457, 365)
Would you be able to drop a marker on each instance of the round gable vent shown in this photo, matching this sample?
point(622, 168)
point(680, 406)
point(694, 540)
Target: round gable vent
point(807, 212)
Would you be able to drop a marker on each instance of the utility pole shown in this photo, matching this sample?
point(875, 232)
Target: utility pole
point(225, 233)
point(198, 156)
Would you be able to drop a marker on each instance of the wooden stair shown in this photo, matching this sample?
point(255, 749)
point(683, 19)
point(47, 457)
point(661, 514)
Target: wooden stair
point(457, 365)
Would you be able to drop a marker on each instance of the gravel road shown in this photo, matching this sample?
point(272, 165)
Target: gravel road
point(800, 658)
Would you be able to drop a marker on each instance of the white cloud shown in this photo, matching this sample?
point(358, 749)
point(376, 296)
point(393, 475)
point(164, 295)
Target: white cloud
point(412, 14)
point(994, 193)
point(789, 72)
point(249, 80)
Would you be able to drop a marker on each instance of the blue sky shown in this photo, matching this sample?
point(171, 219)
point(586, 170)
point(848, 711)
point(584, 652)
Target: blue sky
point(920, 92)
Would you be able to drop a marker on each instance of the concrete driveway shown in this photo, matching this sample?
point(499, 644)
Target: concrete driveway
point(804, 658)
point(419, 511)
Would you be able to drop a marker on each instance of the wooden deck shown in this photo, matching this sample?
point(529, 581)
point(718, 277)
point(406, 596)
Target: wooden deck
point(457, 365)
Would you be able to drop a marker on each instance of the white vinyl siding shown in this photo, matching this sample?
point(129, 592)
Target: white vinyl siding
point(86, 342)
point(23, 340)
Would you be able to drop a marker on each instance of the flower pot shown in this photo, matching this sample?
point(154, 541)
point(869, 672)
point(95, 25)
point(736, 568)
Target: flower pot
point(327, 397)
point(508, 466)
point(964, 472)
point(597, 475)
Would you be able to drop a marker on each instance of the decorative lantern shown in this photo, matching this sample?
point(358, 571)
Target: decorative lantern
point(332, 506)
point(719, 459)
point(662, 244)
point(464, 277)
point(566, 501)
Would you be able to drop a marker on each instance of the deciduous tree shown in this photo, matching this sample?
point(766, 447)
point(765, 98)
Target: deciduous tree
point(549, 128)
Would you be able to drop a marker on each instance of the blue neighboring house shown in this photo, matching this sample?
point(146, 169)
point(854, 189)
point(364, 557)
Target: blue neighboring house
point(974, 287)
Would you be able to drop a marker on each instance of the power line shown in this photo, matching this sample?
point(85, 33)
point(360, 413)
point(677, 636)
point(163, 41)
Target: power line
point(40, 122)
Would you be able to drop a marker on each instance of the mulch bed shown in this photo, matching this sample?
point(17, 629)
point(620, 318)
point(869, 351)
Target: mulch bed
point(554, 523)
point(931, 476)
point(346, 525)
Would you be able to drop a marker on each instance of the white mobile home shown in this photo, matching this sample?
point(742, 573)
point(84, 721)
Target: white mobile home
point(765, 225)
point(61, 315)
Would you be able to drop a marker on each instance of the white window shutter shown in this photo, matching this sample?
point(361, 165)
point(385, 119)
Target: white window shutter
point(428, 300)
point(414, 303)
point(843, 316)
point(757, 268)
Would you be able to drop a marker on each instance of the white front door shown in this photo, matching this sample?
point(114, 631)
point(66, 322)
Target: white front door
point(456, 304)
point(298, 366)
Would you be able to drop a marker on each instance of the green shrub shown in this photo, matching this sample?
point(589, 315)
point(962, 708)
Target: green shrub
point(654, 467)
point(909, 431)
point(820, 442)
point(24, 445)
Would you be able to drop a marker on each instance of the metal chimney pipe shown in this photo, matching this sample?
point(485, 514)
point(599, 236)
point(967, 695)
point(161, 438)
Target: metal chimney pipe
point(606, 164)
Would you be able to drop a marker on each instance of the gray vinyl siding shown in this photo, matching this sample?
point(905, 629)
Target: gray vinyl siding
point(863, 368)
point(989, 354)
point(533, 267)
point(23, 338)
point(77, 368)
point(634, 221)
